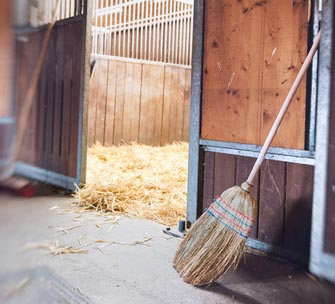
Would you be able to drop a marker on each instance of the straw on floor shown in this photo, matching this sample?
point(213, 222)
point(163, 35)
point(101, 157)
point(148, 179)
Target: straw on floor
point(137, 181)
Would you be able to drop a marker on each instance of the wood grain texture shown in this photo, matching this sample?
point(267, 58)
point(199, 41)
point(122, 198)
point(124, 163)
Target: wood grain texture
point(101, 102)
point(51, 139)
point(208, 182)
point(110, 102)
point(119, 102)
point(145, 103)
point(243, 90)
point(298, 207)
point(272, 203)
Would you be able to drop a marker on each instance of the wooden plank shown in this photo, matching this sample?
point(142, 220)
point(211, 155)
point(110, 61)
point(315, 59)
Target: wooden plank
point(285, 48)
point(180, 104)
point(243, 168)
point(67, 76)
point(298, 207)
point(92, 106)
point(145, 103)
point(231, 79)
point(187, 100)
point(272, 203)
point(208, 182)
point(151, 105)
point(119, 101)
point(173, 105)
point(136, 103)
point(157, 101)
point(166, 105)
point(76, 95)
point(101, 102)
point(110, 105)
point(224, 172)
point(128, 100)
point(59, 99)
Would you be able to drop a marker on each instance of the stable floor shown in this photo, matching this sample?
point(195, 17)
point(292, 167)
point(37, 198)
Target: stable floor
point(135, 266)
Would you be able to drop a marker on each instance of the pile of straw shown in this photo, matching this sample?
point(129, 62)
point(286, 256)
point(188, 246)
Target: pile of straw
point(137, 181)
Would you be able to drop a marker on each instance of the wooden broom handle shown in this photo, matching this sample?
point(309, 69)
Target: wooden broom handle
point(283, 110)
point(26, 107)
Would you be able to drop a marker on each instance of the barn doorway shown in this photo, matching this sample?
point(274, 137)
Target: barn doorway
point(138, 114)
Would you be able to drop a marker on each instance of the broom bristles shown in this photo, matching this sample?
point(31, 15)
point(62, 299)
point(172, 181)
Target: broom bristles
point(216, 241)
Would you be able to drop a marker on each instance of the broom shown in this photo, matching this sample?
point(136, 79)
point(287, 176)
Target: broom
point(215, 243)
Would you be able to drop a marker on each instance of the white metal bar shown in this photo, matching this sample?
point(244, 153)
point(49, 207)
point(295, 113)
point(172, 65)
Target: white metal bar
point(133, 17)
point(119, 32)
point(191, 38)
point(138, 29)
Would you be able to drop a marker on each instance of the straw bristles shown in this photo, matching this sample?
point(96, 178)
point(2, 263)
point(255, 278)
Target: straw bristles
point(137, 181)
point(211, 248)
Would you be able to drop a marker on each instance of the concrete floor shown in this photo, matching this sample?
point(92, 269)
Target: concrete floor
point(135, 273)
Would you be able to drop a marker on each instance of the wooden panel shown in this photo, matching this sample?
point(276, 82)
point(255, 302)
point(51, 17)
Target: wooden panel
point(243, 90)
point(224, 173)
point(187, 99)
point(145, 104)
point(243, 169)
point(157, 102)
point(298, 207)
point(119, 101)
point(285, 48)
point(208, 183)
point(272, 202)
point(284, 192)
point(166, 105)
point(180, 105)
point(59, 97)
point(110, 102)
point(173, 105)
point(101, 102)
point(149, 104)
point(92, 105)
point(51, 138)
point(136, 102)
point(128, 100)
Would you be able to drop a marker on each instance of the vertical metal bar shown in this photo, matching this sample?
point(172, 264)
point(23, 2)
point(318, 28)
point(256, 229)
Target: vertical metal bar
point(124, 18)
point(146, 30)
point(150, 26)
point(314, 79)
point(169, 16)
point(120, 10)
point(195, 153)
point(163, 31)
point(112, 26)
point(185, 32)
point(191, 35)
point(188, 18)
point(322, 263)
point(173, 48)
point(154, 32)
point(137, 29)
point(133, 37)
point(100, 29)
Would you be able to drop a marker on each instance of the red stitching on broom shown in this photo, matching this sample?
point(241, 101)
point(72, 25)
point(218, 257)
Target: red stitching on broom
point(243, 215)
point(234, 224)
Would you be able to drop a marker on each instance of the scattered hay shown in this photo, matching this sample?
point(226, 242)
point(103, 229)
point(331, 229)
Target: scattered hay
point(55, 249)
point(137, 181)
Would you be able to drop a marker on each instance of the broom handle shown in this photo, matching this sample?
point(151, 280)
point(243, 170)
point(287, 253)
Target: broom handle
point(283, 110)
point(27, 105)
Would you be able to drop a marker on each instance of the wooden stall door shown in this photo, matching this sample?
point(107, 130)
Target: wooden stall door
point(53, 148)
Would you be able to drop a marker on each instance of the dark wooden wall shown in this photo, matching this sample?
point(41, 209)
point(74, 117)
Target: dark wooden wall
point(283, 190)
point(51, 137)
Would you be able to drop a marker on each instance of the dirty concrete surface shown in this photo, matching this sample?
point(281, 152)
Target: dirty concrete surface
point(122, 271)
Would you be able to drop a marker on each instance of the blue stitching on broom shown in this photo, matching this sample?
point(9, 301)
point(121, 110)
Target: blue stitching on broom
point(233, 215)
point(223, 223)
